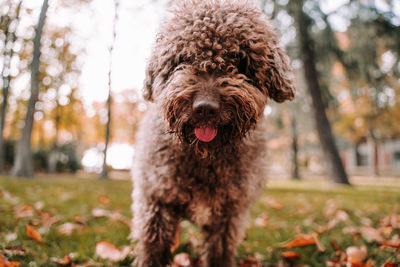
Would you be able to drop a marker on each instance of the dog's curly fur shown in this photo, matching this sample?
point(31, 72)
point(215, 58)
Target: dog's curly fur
point(223, 51)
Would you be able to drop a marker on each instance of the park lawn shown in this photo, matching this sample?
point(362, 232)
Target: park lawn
point(99, 210)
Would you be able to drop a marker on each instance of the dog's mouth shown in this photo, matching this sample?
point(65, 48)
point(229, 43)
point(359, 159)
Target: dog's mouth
point(205, 133)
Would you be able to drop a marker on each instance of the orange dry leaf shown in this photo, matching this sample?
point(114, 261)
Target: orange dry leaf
point(291, 255)
point(305, 240)
point(103, 200)
point(301, 241)
point(249, 262)
point(5, 263)
point(32, 233)
point(108, 251)
point(356, 256)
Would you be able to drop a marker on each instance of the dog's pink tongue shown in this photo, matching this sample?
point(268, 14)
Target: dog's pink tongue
point(205, 134)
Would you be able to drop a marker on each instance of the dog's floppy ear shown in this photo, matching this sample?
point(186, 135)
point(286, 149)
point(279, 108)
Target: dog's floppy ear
point(279, 81)
point(161, 64)
point(268, 65)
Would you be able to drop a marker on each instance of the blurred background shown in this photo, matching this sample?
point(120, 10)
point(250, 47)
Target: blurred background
point(72, 73)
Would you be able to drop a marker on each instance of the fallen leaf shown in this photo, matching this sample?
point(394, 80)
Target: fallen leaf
point(291, 255)
point(336, 246)
point(355, 255)
point(392, 220)
point(39, 205)
point(11, 237)
point(390, 243)
point(32, 233)
point(13, 251)
point(68, 228)
point(100, 213)
point(369, 263)
point(300, 242)
point(249, 262)
point(182, 260)
point(62, 262)
point(274, 204)
point(261, 221)
point(79, 219)
point(23, 211)
point(115, 216)
point(370, 234)
point(391, 264)
point(341, 216)
point(330, 208)
point(47, 219)
point(4, 262)
point(108, 251)
point(103, 200)
point(10, 198)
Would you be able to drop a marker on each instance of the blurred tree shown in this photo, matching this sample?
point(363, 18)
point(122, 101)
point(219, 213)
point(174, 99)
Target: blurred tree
point(303, 24)
point(58, 103)
point(295, 148)
point(357, 68)
point(104, 172)
point(369, 54)
point(9, 22)
point(23, 161)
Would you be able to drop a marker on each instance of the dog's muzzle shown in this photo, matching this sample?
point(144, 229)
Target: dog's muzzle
point(205, 112)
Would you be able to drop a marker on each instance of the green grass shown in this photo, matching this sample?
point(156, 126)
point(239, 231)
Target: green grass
point(303, 209)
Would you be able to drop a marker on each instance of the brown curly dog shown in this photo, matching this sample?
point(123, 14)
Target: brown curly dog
point(200, 151)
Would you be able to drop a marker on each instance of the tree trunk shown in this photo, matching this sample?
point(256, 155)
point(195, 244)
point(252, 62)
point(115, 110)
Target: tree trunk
point(295, 150)
point(10, 37)
point(23, 160)
point(104, 172)
point(374, 154)
point(307, 53)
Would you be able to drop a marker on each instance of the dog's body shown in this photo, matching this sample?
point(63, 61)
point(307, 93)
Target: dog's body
point(201, 144)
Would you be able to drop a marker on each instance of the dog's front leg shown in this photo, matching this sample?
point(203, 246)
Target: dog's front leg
point(220, 241)
point(157, 235)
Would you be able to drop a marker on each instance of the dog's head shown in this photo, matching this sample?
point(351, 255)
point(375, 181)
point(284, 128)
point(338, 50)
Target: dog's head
point(213, 68)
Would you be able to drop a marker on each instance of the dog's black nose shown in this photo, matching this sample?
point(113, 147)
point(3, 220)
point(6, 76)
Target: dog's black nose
point(205, 108)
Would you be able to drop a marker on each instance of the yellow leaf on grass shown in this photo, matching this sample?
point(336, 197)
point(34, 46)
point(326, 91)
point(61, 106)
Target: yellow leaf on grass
point(32, 233)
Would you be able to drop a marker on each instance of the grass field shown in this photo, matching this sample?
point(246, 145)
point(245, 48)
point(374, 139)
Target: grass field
point(72, 214)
